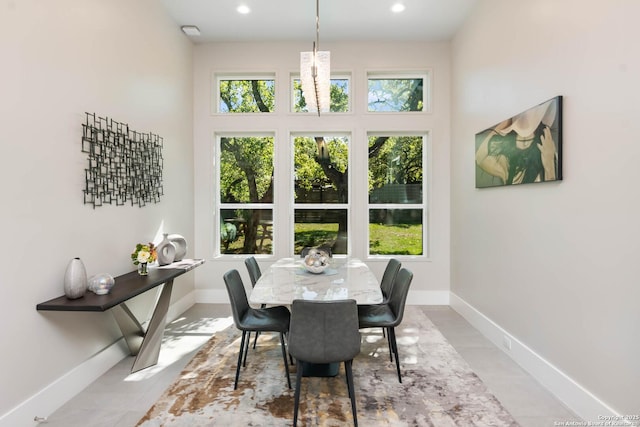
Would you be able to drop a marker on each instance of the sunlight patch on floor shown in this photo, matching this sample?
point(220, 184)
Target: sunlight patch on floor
point(178, 343)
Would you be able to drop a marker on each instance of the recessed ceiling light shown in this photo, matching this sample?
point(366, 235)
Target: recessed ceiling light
point(397, 8)
point(243, 9)
point(190, 30)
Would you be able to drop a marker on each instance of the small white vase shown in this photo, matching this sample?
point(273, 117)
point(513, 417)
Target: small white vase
point(166, 251)
point(75, 279)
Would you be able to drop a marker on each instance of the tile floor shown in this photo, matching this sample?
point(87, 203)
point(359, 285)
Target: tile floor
point(119, 398)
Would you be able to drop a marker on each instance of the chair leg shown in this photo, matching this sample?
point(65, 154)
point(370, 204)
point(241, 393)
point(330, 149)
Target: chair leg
point(390, 346)
point(246, 349)
point(394, 345)
point(255, 340)
point(244, 335)
point(348, 379)
point(291, 361)
point(296, 394)
point(352, 393)
point(284, 357)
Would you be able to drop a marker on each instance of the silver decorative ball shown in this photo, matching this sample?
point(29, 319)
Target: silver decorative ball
point(101, 284)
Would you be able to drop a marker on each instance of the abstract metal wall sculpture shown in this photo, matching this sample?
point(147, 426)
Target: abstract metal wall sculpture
point(123, 165)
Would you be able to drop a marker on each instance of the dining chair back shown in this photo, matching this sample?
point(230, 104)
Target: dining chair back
point(254, 269)
point(248, 319)
point(398, 297)
point(324, 332)
point(254, 274)
point(389, 277)
point(389, 315)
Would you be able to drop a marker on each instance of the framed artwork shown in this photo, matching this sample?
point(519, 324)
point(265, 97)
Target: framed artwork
point(522, 149)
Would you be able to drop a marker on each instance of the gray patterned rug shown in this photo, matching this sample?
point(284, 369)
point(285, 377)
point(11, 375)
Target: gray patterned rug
point(438, 389)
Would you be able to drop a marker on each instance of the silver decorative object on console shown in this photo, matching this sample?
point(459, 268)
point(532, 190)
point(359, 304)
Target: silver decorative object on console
point(101, 284)
point(75, 279)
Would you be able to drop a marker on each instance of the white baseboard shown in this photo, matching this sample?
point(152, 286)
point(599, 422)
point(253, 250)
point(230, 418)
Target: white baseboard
point(577, 398)
point(180, 306)
point(56, 394)
point(211, 296)
point(220, 296)
point(428, 298)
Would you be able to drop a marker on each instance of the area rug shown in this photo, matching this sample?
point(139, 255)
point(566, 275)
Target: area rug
point(438, 387)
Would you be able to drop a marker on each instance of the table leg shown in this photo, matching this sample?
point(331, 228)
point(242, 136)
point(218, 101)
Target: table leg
point(150, 348)
point(131, 329)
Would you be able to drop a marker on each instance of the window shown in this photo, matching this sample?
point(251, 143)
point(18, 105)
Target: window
point(315, 162)
point(245, 194)
point(397, 209)
point(393, 93)
point(246, 94)
point(339, 92)
point(321, 185)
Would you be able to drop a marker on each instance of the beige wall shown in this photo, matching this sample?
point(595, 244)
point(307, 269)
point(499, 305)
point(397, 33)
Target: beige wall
point(117, 58)
point(555, 264)
point(431, 283)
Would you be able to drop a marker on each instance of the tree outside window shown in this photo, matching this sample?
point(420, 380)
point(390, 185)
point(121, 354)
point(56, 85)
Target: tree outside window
point(321, 206)
point(338, 92)
point(396, 94)
point(396, 203)
point(246, 195)
point(252, 95)
point(321, 185)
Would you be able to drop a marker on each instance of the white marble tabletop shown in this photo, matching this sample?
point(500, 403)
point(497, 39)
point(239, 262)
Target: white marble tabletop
point(287, 280)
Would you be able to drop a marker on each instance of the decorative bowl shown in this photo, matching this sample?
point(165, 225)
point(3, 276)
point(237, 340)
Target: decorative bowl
point(316, 261)
point(101, 284)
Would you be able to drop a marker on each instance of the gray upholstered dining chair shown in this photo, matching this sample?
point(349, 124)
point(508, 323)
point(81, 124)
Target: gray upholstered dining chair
point(254, 269)
point(247, 319)
point(386, 284)
point(324, 332)
point(388, 315)
point(254, 274)
point(389, 277)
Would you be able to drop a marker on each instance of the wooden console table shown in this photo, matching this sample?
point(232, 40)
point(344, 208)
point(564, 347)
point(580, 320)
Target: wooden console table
point(145, 345)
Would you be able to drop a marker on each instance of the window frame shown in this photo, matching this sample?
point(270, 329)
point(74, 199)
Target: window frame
point(334, 76)
point(424, 74)
point(321, 206)
point(220, 206)
point(426, 196)
point(216, 98)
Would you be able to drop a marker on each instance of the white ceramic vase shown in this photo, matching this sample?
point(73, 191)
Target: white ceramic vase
point(75, 279)
point(166, 251)
point(181, 246)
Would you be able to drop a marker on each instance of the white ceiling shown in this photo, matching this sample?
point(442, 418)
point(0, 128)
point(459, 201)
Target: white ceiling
point(340, 20)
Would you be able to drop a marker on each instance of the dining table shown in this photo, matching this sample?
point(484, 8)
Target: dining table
point(344, 278)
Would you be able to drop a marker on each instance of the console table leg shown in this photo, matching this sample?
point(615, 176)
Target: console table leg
point(150, 348)
point(131, 329)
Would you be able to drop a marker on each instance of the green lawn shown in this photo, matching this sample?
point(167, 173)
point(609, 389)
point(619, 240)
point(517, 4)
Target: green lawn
point(399, 239)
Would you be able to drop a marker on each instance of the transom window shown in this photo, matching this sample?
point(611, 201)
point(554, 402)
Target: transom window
point(253, 94)
point(339, 92)
point(396, 93)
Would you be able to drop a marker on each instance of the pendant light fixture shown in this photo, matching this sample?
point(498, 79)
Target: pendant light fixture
point(315, 74)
